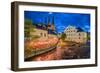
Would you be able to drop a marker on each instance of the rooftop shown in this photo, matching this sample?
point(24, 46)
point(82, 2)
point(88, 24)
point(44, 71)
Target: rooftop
point(79, 29)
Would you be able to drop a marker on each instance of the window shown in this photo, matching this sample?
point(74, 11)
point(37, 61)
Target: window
point(73, 30)
point(79, 34)
point(41, 34)
point(44, 34)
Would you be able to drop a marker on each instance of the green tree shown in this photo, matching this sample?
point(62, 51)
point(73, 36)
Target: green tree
point(28, 27)
point(88, 36)
point(63, 36)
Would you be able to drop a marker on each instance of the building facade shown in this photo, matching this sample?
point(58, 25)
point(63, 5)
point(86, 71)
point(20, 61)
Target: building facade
point(75, 34)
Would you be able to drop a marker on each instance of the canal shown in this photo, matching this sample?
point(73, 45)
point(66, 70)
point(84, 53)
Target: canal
point(65, 52)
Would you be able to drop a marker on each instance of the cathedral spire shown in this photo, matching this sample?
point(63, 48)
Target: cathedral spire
point(53, 26)
point(48, 26)
point(53, 20)
point(48, 20)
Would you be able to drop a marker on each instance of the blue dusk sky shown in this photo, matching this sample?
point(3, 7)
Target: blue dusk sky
point(61, 20)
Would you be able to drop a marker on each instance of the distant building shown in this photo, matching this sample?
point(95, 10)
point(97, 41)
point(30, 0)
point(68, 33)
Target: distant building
point(45, 30)
point(75, 34)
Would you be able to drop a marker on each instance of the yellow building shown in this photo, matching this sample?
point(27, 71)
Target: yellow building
point(75, 34)
point(40, 33)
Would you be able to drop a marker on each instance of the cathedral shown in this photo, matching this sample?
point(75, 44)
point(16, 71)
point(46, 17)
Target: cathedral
point(45, 30)
point(51, 27)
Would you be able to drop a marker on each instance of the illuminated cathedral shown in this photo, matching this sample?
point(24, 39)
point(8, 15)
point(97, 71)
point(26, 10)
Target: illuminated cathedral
point(45, 30)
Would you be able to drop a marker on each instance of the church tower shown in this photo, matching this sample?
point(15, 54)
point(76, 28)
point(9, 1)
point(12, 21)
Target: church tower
point(48, 26)
point(53, 26)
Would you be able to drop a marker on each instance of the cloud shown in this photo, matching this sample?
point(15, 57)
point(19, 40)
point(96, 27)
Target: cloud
point(61, 27)
point(86, 26)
